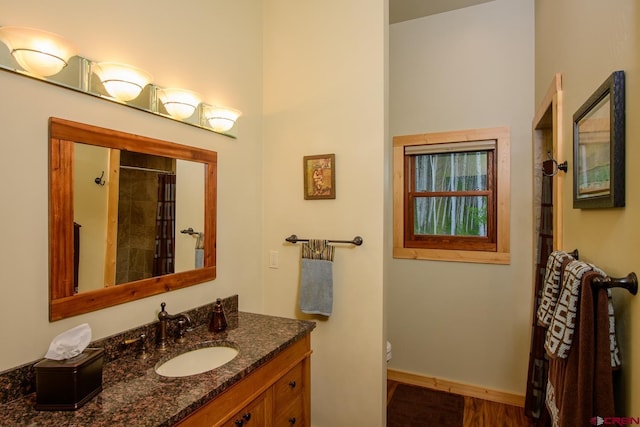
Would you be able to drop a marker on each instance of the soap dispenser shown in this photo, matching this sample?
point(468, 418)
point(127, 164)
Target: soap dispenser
point(218, 321)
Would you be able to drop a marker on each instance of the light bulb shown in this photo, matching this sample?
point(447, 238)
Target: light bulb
point(39, 52)
point(221, 119)
point(122, 81)
point(179, 103)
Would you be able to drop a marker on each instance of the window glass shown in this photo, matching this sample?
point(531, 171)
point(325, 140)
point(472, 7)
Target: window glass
point(451, 171)
point(450, 216)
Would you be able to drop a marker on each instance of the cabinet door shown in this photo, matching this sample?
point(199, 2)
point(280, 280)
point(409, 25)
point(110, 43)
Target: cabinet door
point(288, 397)
point(253, 415)
point(288, 388)
point(292, 415)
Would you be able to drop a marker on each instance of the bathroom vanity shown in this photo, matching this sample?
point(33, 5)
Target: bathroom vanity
point(266, 384)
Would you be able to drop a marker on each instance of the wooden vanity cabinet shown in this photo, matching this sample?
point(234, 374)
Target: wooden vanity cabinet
point(288, 399)
point(276, 394)
point(255, 414)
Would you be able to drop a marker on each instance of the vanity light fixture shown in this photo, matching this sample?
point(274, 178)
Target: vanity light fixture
point(221, 119)
point(122, 81)
point(39, 52)
point(179, 103)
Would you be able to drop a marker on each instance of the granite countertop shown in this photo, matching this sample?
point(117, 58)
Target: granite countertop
point(134, 395)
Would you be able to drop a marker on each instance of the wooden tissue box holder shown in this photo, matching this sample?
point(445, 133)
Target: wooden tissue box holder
point(66, 385)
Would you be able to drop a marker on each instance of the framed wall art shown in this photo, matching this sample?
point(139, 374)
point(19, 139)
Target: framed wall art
point(319, 176)
point(598, 147)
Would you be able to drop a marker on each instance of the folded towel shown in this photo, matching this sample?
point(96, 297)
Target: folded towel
point(561, 331)
point(551, 286)
point(581, 385)
point(316, 279)
point(563, 324)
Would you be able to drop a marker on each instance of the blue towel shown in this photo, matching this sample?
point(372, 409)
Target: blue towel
point(199, 258)
point(316, 287)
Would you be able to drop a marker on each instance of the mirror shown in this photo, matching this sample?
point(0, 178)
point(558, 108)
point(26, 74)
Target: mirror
point(104, 250)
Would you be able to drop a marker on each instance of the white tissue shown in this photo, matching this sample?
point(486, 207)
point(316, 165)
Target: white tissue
point(69, 343)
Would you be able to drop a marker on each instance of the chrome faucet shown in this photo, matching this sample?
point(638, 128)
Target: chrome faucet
point(184, 321)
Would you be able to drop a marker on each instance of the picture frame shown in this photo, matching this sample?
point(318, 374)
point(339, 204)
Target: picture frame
point(319, 176)
point(599, 147)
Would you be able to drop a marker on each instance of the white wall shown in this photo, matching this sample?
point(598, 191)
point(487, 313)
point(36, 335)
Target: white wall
point(465, 69)
point(586, 40)
point(212, 47)
point(325, 93)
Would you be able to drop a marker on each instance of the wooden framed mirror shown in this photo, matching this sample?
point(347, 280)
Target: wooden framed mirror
point(90, 267)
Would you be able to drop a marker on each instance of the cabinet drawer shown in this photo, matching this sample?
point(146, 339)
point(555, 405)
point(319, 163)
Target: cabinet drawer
point(253, 415)
point(287, 388)
point(291, 416)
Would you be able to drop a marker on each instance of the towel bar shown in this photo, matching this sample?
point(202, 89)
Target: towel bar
point(356, 240)
point(629, 282)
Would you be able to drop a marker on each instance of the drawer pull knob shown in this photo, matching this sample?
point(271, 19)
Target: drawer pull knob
point(239, 423)
point(292, 420)
point(247, 416)
point(292, 384)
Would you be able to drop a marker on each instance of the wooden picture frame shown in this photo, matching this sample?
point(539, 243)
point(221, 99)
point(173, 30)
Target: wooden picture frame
point(599, 147)
point(319, 176)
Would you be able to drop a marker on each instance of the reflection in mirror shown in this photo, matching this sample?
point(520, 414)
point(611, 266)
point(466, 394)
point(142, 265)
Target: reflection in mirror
point(117, 203)
point(126, 220)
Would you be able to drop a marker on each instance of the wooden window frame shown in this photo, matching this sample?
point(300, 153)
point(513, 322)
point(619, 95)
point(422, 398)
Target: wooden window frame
point(494, 249)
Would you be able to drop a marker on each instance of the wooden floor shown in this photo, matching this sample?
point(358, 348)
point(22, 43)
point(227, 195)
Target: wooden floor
point(483, 413)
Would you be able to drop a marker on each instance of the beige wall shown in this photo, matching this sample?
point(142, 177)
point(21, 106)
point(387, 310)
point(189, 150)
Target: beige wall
point(90, 211)
point(586, 40)
point(212, 47)
point(470, 68)
point(324, 93)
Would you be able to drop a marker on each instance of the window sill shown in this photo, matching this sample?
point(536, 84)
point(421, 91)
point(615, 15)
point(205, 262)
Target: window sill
point(453, 255)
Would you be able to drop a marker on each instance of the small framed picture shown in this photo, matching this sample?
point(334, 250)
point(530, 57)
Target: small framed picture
point(598, 147)
point(319, 177)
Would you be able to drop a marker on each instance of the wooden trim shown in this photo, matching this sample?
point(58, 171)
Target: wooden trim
point(502, 253)
point(548, 121)
point(553, 100)
point(462, 389)
point(113, 181)
point(61, 232)
point(63, 134)
point(558, 184)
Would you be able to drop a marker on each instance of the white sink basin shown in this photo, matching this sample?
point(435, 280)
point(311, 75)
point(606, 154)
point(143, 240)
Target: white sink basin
point(196, 361)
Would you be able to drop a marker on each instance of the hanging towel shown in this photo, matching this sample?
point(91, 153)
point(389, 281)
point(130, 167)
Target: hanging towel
point(551, 286)
point(316, 281)
point(581, 385)
point(199, 251)
point(564, 323)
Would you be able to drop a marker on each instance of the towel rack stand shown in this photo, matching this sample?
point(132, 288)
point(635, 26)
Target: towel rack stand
point(629, 282)
point(355, 241)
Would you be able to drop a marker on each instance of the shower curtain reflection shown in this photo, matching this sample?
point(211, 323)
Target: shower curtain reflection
point(164, 256)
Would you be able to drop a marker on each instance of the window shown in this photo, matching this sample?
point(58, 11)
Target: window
point(451, 196)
